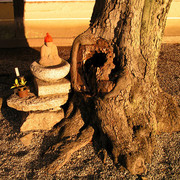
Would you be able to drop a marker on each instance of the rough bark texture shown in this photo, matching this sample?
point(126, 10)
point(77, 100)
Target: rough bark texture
point(125, 119)
point(136, 108)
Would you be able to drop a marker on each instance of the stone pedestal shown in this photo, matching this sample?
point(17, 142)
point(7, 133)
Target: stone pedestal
point(42, 120)
point(52, 92)
point(50, 73)
point(44, 112)
point(50, 88)
point(34, 103)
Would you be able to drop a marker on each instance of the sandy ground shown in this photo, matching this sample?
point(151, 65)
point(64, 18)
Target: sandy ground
point(20, 162)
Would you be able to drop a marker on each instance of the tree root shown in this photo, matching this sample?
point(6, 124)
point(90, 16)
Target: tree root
point(135, 164)
point(69, 148)
point(105, 154)
point(68, 127)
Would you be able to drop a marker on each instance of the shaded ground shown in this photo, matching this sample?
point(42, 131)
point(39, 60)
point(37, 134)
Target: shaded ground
point(20, 162)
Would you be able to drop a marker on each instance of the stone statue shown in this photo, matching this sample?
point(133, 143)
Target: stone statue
point(49, 53)
point(50, 67)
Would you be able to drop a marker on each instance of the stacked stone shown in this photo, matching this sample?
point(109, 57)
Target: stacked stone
point(51, 90)
point(50, 71)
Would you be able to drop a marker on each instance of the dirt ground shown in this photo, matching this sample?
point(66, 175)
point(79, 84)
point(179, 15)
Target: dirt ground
point(20, 162)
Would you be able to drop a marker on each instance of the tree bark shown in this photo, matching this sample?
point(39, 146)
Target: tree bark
point(136, 108)
point(127, 118)
point(19, 18)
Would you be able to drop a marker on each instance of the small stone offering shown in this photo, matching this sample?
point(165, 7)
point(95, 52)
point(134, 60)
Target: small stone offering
point(52, 89)
point(50, 67)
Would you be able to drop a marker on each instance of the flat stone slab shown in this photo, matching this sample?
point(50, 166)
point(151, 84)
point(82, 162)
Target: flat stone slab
point(50, 73)
point(34, 103)
point(49, 88)
point(42, 120)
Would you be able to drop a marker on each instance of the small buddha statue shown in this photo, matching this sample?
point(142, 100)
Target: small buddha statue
point(49, 53)
point(50, 67)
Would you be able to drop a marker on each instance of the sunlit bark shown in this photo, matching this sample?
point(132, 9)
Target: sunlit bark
point(127, 118)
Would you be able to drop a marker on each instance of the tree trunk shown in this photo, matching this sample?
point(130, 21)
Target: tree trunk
point(128, 114)
point(136, 108)
point(19, 17)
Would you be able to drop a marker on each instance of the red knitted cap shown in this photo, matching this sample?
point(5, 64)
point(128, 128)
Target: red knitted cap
point(48, 38)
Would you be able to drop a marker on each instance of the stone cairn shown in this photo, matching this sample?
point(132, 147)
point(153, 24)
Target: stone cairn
point(44, 108)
